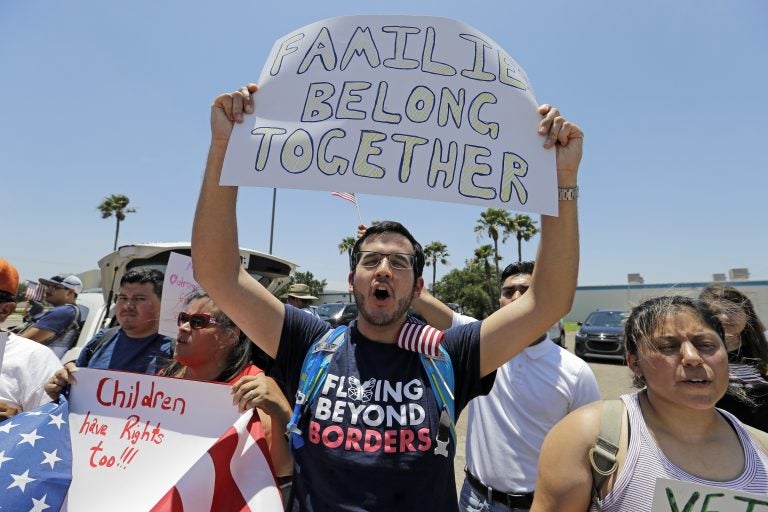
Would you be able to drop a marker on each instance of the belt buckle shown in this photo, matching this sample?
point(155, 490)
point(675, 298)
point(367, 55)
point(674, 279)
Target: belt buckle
point(518, 500)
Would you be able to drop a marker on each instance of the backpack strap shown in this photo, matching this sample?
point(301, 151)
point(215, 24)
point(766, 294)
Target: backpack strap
point(75, 325)
point(313, 373)
point(424, 339)
point(441, 382)
point(602, 456)
point(91, 349)
point(759, 436)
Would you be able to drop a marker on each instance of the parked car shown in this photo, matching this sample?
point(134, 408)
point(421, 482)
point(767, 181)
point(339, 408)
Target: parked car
point(601, 335)
point(98, 303)
point(337, 313)
point(557, 333)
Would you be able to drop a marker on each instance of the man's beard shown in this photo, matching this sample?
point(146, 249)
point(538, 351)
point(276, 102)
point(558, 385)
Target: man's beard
point(382, 318)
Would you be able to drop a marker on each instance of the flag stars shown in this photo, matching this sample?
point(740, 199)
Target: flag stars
point(21, 481)
point(3, 458)
point(30, 438)
point(58, 420)
point(51, 458)
point(7, 427)
point(39, 505)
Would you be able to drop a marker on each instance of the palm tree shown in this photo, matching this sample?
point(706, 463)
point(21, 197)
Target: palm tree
point(524, 228)
point(116, 204)
point(482, 253)
point(434, 252)
point(346, 246)
point(492, 221)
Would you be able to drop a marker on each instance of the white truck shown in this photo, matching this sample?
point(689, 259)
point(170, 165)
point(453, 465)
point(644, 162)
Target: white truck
point(97, 303)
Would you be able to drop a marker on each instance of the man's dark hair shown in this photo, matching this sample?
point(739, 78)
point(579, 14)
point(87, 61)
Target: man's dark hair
point(145, 275)
point(390, 226)
point(516, 268)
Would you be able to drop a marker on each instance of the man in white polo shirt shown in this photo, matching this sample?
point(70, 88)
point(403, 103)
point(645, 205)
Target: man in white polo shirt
point(533, 391)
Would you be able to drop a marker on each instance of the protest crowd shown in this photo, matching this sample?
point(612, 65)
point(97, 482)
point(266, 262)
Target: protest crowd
point(363, 417)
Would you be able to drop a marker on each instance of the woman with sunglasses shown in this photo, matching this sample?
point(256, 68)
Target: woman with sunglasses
point(747, 354)
point(209, 346)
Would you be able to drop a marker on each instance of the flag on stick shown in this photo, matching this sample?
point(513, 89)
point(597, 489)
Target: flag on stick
point(34, 291)
point(350, 196)
point(347, 196)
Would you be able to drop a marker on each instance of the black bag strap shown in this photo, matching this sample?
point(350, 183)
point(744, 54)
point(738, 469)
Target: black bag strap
point(602, 456)
point(76, 325)
point(96, 345)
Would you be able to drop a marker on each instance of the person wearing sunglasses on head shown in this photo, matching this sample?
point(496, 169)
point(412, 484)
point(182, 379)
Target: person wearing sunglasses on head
point(210, 347)
point(134, 346)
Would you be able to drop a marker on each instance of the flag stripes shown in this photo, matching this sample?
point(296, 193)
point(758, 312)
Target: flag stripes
point(420, 338)
point(347, 196)
point(34, 291)
point(233, 475)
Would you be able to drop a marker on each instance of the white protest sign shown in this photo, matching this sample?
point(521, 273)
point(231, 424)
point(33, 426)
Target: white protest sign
point(178, 284)
point(676, 496)
point(134, 436)
point(404, 106)
point(3, 341)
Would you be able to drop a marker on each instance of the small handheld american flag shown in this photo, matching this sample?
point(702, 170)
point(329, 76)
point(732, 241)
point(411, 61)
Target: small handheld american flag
point(350, 196)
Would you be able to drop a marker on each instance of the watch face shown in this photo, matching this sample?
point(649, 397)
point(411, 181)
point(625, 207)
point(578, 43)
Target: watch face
point(568, 194)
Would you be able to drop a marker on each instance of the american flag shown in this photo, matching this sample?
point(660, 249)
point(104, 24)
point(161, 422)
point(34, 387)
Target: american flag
point(233, 475)
point(34, 291)
point(421, 338)
point(35, 459)
point(347, 196)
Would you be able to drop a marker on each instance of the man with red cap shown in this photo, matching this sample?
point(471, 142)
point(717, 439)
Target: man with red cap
point(24, 365)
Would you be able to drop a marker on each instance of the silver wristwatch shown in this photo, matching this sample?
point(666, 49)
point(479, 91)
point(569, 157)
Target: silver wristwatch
point(567, 193)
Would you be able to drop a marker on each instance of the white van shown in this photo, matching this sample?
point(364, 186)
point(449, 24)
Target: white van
point(97, 303)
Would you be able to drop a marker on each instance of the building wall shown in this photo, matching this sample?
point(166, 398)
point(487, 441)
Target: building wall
point(334, 296)
point(589, 298)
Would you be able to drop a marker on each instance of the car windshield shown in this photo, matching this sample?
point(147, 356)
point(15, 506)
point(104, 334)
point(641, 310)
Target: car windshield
point(606, 319)
point(326, 311)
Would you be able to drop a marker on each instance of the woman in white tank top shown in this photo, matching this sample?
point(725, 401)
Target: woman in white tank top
point(672, 430)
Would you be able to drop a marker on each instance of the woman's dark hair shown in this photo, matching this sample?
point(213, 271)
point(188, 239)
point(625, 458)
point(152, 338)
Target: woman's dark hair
point(648, 316)
point(238, 358)
point(754, 346)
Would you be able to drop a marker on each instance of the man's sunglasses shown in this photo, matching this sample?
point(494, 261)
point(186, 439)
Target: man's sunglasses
point(196, 320)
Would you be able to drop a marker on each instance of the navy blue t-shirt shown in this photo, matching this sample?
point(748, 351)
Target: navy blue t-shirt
point(138, 355)
point(370, 433)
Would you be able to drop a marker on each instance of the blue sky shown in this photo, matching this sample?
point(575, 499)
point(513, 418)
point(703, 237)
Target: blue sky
point(103, 97)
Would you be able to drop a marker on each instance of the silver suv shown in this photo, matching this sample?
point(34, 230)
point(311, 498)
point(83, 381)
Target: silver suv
point(337, 313)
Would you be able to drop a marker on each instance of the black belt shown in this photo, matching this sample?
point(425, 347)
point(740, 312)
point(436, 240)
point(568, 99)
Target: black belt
point(511, 500)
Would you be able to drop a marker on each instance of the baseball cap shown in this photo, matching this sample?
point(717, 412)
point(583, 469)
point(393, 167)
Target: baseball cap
point(9, 281)
point(71, 282)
